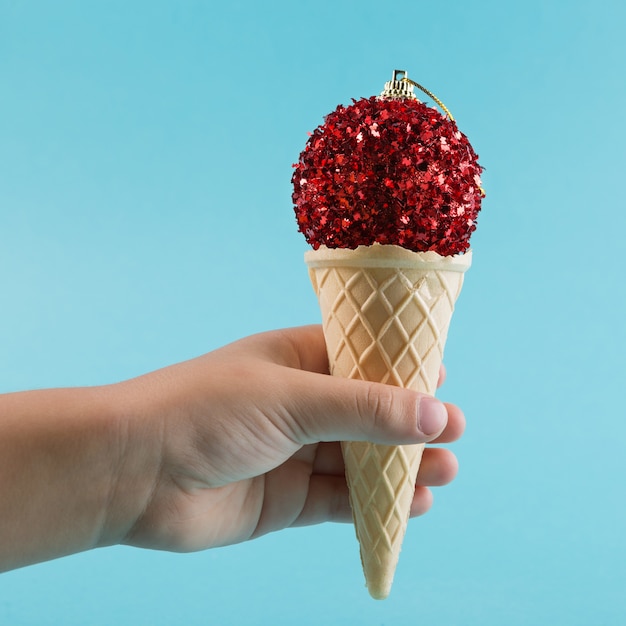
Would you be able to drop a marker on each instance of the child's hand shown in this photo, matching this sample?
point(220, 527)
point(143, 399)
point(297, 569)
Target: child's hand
point(247, 440)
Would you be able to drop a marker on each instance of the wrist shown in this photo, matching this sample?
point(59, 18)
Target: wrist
point(136, 438)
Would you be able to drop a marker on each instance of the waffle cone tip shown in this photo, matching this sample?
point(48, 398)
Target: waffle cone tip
point(379, 589)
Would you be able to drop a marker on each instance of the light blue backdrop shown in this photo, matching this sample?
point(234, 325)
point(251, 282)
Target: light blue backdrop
point(145, 217)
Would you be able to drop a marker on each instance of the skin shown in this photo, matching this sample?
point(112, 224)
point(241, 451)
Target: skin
point(213, 451)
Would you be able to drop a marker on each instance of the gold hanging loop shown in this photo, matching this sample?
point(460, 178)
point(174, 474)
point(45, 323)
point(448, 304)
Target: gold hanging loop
point(430, 94)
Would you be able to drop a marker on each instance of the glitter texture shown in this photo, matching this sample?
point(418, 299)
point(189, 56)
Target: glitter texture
point(388, 171)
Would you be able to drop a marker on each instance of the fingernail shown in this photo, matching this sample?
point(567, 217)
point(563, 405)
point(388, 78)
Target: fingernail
point(432, 416)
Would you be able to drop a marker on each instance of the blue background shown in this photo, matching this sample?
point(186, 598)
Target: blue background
point(145, 218)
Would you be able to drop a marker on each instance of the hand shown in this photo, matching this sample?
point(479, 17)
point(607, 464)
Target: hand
point(248, 440)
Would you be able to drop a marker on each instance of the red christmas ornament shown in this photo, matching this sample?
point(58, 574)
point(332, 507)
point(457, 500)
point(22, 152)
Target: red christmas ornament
point(388, 170)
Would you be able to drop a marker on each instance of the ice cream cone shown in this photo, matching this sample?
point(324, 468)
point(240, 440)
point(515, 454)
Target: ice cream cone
point(386, 312)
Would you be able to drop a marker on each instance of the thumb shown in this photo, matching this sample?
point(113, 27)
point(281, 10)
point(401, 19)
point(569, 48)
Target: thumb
point(330, 408)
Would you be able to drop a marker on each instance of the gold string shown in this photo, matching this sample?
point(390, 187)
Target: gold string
point(431, 95)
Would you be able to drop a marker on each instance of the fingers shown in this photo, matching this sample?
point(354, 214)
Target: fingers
point(438, 467)
point(328, 500)
point(332, 408)
point(455, 427)
point(328, 408)
point(422, 501)
point(386, 410)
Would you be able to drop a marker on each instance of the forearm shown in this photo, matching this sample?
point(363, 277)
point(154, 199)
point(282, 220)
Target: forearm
point(76, 467)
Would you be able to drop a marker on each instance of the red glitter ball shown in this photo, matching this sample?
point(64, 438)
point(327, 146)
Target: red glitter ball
point(388, 171)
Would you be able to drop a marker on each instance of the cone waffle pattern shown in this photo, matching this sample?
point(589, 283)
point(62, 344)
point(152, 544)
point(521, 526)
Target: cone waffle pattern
point(384, 324)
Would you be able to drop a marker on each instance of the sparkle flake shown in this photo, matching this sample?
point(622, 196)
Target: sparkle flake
point(388, 171)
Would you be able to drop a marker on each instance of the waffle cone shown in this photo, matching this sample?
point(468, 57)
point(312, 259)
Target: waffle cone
point(385, 313)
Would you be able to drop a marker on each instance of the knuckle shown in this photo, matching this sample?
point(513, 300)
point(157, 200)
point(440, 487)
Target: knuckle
point(378, 412)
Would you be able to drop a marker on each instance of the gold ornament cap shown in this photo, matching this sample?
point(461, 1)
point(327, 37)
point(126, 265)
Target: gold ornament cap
point(399, 86)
